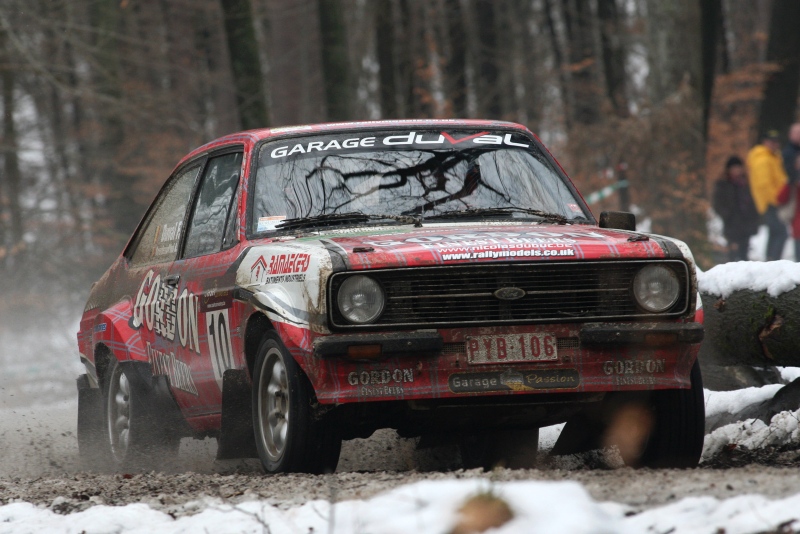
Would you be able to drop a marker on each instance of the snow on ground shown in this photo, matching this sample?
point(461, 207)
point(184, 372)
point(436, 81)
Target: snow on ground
point(783, 429)
point(774, 277)
point(732, 402)
point(423, 507)
point(434, 506)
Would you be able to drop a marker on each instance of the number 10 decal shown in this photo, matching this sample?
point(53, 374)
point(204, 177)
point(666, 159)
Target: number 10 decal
point(219, 343)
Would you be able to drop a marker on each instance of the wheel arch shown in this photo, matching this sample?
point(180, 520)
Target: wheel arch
point(257, 325)
point(102, 361)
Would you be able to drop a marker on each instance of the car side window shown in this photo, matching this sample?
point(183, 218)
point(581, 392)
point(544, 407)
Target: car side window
point(215, 201)
point(162, 232)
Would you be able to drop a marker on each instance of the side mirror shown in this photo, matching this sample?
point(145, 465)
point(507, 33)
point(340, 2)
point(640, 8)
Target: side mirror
point(618, 220)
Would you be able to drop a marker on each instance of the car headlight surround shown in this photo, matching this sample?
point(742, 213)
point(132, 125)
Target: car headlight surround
point(360, 299)
point(656, 288)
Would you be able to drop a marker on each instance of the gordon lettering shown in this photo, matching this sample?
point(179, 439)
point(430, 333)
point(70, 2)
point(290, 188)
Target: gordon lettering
point(634, 367)
point(381, 377)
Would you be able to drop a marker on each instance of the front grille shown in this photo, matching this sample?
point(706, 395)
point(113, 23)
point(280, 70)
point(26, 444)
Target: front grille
point(554, 292)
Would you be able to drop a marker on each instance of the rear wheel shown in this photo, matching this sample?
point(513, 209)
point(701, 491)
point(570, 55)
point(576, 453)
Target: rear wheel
point(136, 438)
point(291, 434)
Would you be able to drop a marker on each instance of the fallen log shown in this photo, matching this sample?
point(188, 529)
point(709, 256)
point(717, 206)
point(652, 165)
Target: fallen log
point(752, 328)
point(752, 323)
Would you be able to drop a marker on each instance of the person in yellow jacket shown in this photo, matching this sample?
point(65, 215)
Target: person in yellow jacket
point(767, 178)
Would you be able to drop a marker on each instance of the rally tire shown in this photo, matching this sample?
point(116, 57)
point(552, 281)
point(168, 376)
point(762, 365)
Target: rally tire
point(136, 437)
point(292, 436)
point(675, 421)
point(677, 438)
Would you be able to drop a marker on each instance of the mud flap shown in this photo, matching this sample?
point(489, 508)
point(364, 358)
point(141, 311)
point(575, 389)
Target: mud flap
point(161, 406)
point(237, 438)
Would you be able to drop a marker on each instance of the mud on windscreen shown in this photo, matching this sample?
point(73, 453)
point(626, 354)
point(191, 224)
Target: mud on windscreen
point(420, 172)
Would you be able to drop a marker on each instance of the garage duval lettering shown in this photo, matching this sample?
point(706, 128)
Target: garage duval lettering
point(160, 309)
point(379, 383)
point(514, 381)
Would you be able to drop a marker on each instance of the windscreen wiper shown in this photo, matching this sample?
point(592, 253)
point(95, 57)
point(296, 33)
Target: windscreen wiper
point(335, 219)
point(505, 211)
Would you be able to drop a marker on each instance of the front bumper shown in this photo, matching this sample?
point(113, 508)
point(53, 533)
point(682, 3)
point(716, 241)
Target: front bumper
point(431, 364)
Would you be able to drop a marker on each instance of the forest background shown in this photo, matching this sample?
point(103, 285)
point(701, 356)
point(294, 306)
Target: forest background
point(101, 98)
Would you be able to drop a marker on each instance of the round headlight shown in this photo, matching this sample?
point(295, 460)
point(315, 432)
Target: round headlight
point(360, 299)
point(656, 288)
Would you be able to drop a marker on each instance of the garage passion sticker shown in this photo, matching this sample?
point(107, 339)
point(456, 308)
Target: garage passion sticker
point(514, 381)
point(413, 139)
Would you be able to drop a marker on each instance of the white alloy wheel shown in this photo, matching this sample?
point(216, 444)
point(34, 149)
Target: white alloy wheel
point(119, 414)
point(274, 409)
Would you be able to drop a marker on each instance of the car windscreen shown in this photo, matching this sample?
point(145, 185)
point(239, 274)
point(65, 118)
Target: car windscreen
point(417, 173)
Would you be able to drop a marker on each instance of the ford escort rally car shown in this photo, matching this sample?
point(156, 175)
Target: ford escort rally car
point(290, 288)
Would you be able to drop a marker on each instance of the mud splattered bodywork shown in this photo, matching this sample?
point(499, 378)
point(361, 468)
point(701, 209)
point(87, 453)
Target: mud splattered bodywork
point(480, 301)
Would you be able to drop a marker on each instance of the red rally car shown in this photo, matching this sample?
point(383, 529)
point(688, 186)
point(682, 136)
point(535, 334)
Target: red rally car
point(293, 287)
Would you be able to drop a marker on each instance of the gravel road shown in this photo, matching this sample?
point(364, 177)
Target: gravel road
point(39, 465)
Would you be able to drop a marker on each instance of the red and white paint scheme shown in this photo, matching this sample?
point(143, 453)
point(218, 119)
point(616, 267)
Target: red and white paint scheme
point(293, 287)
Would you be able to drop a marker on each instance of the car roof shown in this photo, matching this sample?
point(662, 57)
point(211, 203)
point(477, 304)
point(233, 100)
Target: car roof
point(251, 137)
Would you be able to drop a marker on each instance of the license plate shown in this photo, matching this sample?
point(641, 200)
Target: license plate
point(509, 348)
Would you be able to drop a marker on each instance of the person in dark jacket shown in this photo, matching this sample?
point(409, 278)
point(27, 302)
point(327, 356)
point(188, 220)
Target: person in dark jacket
point(734, 203)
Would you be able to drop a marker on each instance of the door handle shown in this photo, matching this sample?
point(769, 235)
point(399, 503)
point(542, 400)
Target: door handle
point(172, 280)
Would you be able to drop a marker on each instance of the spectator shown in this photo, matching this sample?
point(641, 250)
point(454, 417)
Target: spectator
point(791, 152)
point(734, 203)
point(791, 163)
point(785, 196)
point(767, 179)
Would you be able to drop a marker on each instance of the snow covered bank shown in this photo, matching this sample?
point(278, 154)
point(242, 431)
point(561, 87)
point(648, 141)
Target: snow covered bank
point(423, 507)
point(775, 277)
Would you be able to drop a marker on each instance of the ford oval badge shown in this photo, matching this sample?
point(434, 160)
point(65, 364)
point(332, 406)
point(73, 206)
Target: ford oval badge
point(509, 293)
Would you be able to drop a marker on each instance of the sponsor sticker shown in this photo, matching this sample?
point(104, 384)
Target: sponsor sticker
point(381, 382)
point(269, 223)
point(280, 268)
point(161, 309)
point(514, 380)
point(411, 139)
point(165, 363)
point(634, 372)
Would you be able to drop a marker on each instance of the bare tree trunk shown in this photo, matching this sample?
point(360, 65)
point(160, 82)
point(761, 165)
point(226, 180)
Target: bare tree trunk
point(245, 64)
point(711, 24)
point(11, 172)
point(488, 95)
point(611, 33)
point(582, 59)
point(779, 107)
point(335, 63)
point(674, 48)
point(386, 50)
point(456, 70)
point(558, 63)
point(297, 85)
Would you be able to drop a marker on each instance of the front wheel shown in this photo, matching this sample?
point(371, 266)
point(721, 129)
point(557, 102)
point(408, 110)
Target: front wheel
point(291, 435)
point(679, 430)
point(663, 428)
